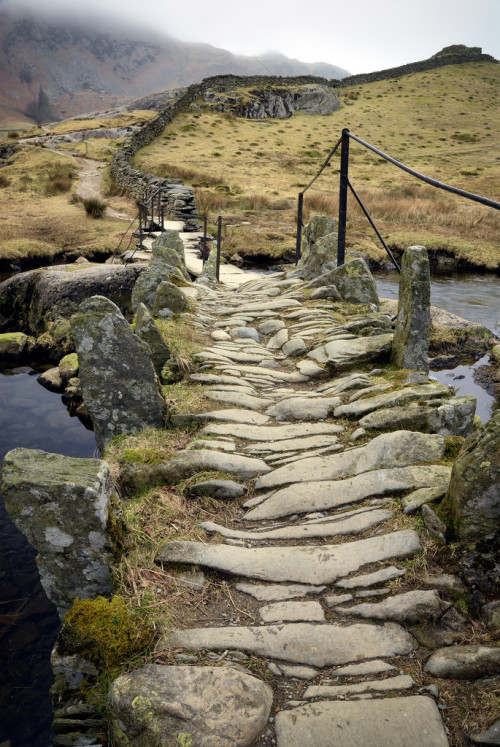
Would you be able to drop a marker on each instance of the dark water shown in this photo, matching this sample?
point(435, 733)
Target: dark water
point(471, 296)
point(34, 418)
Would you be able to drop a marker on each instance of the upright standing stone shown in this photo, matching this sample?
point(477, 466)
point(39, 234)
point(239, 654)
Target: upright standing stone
point(319, 247)
point(119, 384)
point(70, 512)
point(146, 330)
point(410, 346)
point(474, 492)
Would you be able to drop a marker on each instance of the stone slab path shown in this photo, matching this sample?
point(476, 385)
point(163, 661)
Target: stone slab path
point(311, 565)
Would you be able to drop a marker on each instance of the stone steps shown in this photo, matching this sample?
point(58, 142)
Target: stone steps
point(317, 588)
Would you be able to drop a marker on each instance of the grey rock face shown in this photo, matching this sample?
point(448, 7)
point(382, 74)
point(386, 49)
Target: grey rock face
point(319, 247)
point(392, 399)
point(40, 297)
point(118, 381)
point(391, 722)
point(70, 512)
point(220, 489)
point(170, 298)
point(464, 662)
point(490, 736)
point(167, 263)
point(412, 607)
point(147, 331)
point(452, 417)
point(341, 353)
point(411, 337)
point(12, 345)
point(474, 491)
point(215, 706)
point(355, 282)
point(303, 408)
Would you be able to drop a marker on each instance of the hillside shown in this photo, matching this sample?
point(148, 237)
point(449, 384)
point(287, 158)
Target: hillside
point(442, 122)
point(56, 69)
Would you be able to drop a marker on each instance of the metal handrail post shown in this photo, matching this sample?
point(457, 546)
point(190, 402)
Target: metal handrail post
point(298, 246)
point(344, 181)
point(140, 224)
point(219, 233)
point(204, 252)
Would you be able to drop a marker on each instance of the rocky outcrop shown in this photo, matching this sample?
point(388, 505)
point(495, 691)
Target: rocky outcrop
point(40, 302)
point(69, 510)
point(474, 492)
point(410, 346)
point(319, 248)
point(167, 264)
point(160, 706)
point(119, 384)
point(276, 102)
point(147, 331)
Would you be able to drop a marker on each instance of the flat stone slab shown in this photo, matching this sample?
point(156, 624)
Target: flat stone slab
point(392, 399)
point(397, 449)
point(274, 592)
point(272, 432)
point(341, 354)
point(292, 670)
point(293, 444)
point(391, 722)
point(241, 399)
point(231, 415)
point(317, 645)
point(303, 408)
point(335, 600)
point(292, 612)
point(415, 500)
point(412, 607)
point(302, 564)
point(375, 666)
point(328, 528)
point(318, 496)
point(370, 579)
point(292, 377)
point(401, 682)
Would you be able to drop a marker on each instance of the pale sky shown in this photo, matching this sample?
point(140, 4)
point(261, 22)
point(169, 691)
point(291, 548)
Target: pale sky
point(358, 35)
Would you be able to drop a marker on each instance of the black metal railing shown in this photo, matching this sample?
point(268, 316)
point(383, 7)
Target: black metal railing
point(146, 220)
point(204, 247)
point(346, 185)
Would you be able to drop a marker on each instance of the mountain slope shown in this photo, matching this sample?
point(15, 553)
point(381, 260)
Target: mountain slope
point(78, 69)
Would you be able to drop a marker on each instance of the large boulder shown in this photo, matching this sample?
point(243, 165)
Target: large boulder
point(163, 706)
point(119, 384)
point(319, 248)
point(410, 346)
point(474, 492)
point(169, 299)
point(34, 301)
point(167, 264)
point(69, 510)
point(355, 282)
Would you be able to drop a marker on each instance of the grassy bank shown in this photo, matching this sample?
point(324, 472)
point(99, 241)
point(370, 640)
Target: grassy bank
point(443, 123)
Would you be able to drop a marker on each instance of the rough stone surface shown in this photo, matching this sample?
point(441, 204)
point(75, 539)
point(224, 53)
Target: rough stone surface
point(452, 417)
point(302, 564)
point(491, 615)
point(370, 579)
point(270, 326)
point(391, 400)
point(317, 496)
point(464, 662)
point(216, 707)
point(341, 354)
point(294, 347)
point(303, 408)
point(167, 263)
point(275, 592)
point(392, 722)
point(474, 492)
point(292, 612)
point(319, 247)
point(433, 524)
point(271, 433)
point(401, 682)
point(278, 339)
point(355, 282)
point(70, 512)
point(375, 666)
point(397, 449)
point(490, 736)
point(147, 331)
point(412, 607)
point(413, 501)
point(302, 643)
point(12, 345)
point(52, 380)
point(410, 346)
point(119, 384)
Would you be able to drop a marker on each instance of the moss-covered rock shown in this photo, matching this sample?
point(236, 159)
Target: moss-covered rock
point(410, 347)
point(68, 366)
point(70, 512)
point(147, 331)
point(474, 492)
point(355, 282)
point(12, 345)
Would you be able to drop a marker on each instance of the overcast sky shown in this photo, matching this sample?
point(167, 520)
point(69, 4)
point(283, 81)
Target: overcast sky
point(358, 35)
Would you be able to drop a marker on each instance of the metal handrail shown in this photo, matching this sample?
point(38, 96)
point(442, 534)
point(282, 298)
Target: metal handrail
point(145, 203)
point(345, 184)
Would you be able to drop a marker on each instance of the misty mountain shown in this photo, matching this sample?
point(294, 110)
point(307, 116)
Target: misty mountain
point(69, 68)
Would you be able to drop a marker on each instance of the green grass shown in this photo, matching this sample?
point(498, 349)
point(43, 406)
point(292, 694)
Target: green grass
point(443, 123)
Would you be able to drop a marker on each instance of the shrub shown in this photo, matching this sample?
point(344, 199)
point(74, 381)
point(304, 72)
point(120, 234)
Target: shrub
point(94, 208)
point(59, 179)
point(4, 182)
point(12, 135)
